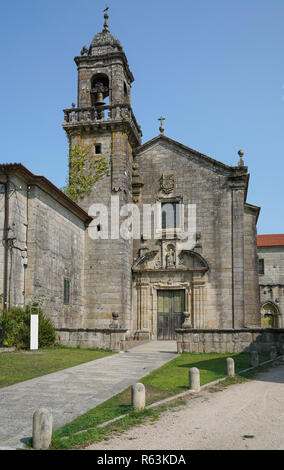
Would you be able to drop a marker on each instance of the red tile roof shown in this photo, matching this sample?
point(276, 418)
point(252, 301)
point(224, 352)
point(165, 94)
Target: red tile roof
point(270, 240)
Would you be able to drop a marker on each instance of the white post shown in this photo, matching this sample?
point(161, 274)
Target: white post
point(34, 332)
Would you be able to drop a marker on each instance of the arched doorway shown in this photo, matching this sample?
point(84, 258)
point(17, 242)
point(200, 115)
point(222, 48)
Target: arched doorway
point(269, 315)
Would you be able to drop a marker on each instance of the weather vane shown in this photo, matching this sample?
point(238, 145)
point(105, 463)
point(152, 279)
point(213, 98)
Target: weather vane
point(161, 128)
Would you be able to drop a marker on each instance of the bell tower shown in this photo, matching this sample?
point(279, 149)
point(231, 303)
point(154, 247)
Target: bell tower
point(103, 133)
point(104, 71)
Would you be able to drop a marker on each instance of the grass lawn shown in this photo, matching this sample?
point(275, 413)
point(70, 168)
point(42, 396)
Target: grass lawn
point(168, 380)
point(24, 365)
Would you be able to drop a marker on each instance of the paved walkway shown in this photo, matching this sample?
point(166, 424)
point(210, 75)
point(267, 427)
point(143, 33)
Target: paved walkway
point(246, 416)
point(71, 392)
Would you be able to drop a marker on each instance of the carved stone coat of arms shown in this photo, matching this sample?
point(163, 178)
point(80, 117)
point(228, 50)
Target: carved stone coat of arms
point(167, 183)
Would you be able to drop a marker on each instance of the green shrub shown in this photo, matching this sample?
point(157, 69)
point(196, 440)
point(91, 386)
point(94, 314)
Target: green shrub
point(15, 328)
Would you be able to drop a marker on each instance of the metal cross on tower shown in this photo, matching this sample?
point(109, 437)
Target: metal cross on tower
point(106, 16)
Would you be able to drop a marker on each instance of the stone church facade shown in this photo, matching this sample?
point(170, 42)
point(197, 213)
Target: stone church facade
point(154, 282)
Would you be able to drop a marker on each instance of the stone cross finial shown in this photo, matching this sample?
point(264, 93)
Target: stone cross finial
point(161, 128)
point(106, 17)
point(241, 154)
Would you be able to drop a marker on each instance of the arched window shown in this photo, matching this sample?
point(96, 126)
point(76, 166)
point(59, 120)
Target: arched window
point(99, 90)
point(270, 315)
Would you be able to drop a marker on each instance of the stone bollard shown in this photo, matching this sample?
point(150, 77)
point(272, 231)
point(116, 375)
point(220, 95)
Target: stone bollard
point(42, 429)
point(254, 359)
point(273, 353)
point(230, 367)
point(138, 396)
point(122, 345)
point(194, 379)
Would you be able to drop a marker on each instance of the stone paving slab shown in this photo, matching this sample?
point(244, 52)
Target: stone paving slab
point(71, 392)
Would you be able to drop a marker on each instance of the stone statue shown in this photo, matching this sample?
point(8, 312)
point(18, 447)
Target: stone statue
point(84, 50)
point(170, 258)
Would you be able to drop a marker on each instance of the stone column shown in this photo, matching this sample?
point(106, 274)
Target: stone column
point(189, 301)
point(199, 319)
point(238, 186)
point(143, 310)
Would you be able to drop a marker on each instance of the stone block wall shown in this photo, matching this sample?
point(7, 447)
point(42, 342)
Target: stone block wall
point(55, 252)
point(108, 257)
point(100, 338)
point(17, 191)
point(229, 340)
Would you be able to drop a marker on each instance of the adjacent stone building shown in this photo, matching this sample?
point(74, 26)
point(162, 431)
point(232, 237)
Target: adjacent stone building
point(43, 245)
point(271, 279)
point(76, 254)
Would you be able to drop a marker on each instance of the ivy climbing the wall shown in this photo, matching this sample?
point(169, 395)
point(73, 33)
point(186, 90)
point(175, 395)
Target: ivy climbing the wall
point(84, 171)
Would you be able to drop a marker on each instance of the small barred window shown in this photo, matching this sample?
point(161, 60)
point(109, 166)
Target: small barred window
point(66, 291)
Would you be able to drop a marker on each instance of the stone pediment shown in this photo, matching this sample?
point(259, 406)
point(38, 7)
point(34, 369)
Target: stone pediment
point(145, 259)
point(193, 155)
point(185, 260)
point(193, 260)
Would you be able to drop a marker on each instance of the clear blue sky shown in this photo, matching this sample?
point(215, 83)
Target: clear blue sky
point(215, 69)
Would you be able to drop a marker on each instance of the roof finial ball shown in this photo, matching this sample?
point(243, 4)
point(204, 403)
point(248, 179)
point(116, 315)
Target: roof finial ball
point(241, 154)
point(106, 16)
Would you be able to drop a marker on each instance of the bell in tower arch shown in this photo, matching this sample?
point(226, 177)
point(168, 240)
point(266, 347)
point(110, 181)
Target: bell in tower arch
point(99, 90)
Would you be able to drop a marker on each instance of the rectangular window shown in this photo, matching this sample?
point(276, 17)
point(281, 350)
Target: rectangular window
point(261, 266)
point(98, 148)
point(170, 215)
point(66, 291)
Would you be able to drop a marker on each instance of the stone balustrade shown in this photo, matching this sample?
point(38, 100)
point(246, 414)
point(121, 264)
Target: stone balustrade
point(116, 112)
point(117, 115)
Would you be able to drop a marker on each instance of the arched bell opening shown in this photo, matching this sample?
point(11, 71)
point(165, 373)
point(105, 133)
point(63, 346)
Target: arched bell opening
point(100, 90)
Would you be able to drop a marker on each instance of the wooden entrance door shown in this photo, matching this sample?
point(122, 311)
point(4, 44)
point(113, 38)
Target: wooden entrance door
point(171, 305)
